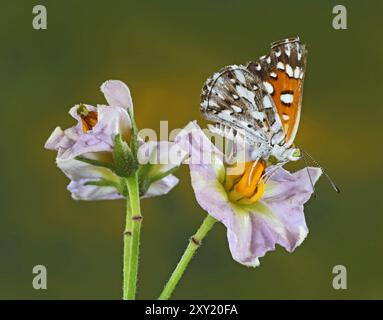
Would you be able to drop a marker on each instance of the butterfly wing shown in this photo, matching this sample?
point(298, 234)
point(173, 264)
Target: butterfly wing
point(282, 73)
point(235, 98)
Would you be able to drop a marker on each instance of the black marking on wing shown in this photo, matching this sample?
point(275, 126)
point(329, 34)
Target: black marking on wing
point(234, 97)
point(288, 51)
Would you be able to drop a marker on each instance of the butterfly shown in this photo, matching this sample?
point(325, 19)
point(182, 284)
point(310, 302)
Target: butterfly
point(261, 100)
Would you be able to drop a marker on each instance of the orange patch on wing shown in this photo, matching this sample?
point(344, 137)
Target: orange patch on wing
point(288, 113)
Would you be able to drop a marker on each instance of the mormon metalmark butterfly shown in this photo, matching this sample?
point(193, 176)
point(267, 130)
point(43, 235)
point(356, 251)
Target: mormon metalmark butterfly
point(261, 100)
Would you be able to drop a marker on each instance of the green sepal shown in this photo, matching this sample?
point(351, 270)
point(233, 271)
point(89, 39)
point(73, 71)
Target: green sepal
point(125, 163)
point(96, 163)
point(124, 188)
point(134, 136)
point(143, 178)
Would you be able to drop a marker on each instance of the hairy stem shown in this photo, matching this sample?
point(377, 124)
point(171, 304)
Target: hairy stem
point(127, 240)
point(194, 244)
point(132, 239)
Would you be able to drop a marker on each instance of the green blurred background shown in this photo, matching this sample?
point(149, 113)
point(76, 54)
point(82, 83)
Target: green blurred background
point(164, 50)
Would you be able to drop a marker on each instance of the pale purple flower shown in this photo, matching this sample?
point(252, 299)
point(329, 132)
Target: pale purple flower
point(258, 218)
point(93, 138)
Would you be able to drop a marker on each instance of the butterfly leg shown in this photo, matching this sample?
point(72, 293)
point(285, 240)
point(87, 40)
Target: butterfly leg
point(267, 175)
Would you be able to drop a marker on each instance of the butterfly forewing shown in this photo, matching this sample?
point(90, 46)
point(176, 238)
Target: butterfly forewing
point(282, 73)
point(236, 98)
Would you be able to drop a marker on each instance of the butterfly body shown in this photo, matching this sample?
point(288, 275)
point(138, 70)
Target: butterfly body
point(260, 101)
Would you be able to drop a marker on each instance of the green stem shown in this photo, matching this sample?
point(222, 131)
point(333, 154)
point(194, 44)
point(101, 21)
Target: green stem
point(194, 244)
point(132, 241)
point(127, 240)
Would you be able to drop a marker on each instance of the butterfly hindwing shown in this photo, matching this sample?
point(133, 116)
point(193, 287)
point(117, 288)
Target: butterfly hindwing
point(282, 73)
point(236, 98)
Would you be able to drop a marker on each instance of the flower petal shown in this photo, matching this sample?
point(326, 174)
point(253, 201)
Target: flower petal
point(55, 139)
point(252, 230)
point(207, 180)
point(199, 147)
point(284, 185)
point(111, 121)
point(81, 191)
point(279, 217)
point(239, 235)
point(76, 170)
point(162, 155)
point(212, 197)
point(95, 143)
point(161, 187)
point(117, 94)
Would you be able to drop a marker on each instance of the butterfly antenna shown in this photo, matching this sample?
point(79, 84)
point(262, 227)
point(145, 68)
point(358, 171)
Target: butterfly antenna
point(308, 173)
point(332, 182)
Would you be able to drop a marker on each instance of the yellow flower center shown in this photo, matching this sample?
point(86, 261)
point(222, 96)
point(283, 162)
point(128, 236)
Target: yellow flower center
point(88, 118)
point(248, 187)
point(89, 121)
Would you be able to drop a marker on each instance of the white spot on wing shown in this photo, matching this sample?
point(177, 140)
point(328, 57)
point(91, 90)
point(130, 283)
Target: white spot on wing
point(287, 98)
point(273, 75)
point(236, 108)
point(285, 117)
point(280, 66)
point(276, 125)
point(243, 92)
point(297, 72)
point(239, 75)
point(257, 115)
point(288, 50)
point(267, 102)
point(277, 138)
point(269, 87)
point(225, 114)
point(299, 55)
point(289, 70)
